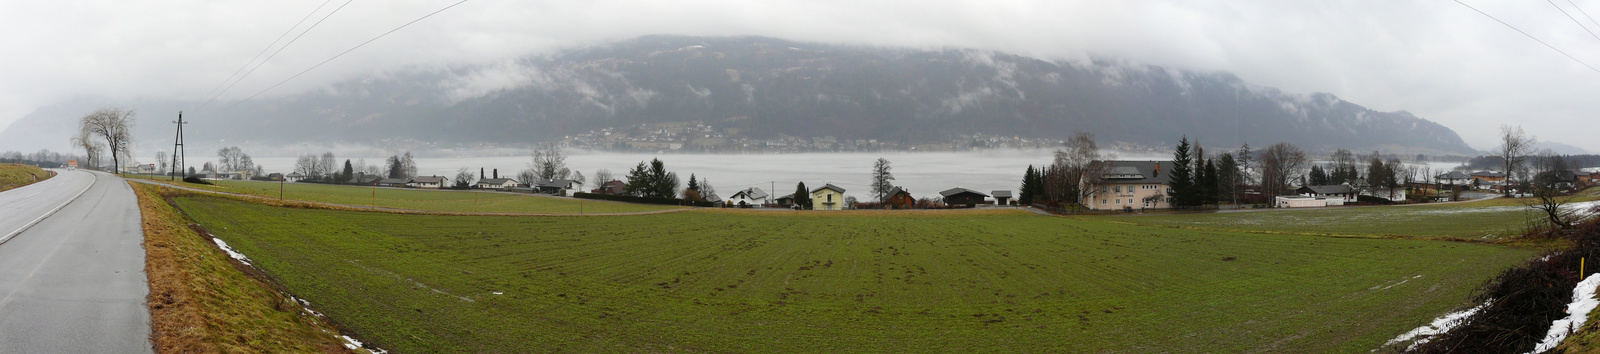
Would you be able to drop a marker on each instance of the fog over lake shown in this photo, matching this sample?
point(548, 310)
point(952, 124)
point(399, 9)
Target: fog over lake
point(924, 174)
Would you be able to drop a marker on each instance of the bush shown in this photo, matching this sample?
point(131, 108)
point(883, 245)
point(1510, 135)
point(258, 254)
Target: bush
point(642, 200)
point(1373, 200)
point(196, 180)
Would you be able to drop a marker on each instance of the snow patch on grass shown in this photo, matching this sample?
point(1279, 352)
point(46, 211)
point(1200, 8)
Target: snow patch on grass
point(1583, 301)
point(1439, 325)
point(230, 251)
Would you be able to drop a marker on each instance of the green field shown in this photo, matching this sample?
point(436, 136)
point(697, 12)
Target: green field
point(15, 175)
point(427, 199)
point(722, 281)
point(1480, 220)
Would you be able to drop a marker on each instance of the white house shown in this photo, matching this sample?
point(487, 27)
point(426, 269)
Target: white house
point(748, 198)
point(497, 183)
point(1300, 201)
point(563, 187)
point(428, 182)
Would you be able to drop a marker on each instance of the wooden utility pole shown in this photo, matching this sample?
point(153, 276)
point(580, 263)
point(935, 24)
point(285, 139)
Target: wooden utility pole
point(177, 148)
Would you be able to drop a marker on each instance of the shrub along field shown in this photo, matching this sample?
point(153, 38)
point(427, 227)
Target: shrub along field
point(713, 280)
point(15, 175)
point(426, 199)
point(1481, 220)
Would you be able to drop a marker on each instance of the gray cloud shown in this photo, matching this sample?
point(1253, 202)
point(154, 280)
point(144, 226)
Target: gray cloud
point(1436, 59)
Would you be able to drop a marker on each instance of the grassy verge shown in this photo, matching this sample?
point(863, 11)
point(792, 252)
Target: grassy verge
point(200, 302)
point(15, 175)
point(1492, 219)
point(425, 200)
point(752, 281)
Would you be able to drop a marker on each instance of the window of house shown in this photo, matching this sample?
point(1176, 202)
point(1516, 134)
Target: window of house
point(1104, 201)
point(1117, 189)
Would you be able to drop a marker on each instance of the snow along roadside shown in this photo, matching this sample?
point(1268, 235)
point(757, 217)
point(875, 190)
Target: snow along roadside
point(1583, 301)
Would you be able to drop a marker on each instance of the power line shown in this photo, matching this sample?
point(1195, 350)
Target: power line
point(1585, 14)
point(264, 50)
point(1574, 19)
point(313, 67)
point(280, 50)
point(1535, 39)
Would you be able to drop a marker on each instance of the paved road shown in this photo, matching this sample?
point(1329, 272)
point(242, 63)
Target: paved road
point(73, 282)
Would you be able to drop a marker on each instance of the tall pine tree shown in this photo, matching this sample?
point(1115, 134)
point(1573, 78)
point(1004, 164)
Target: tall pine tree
point(1182, 177)
point(1025, 196)
point(802, 197)
point(1209, 183)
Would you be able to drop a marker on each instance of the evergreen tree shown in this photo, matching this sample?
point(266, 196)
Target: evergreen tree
point(802, 197)
point(1025, 193)
point(693, 184)
point(1209, 183)
point(1319, 177)
point(348, 174)
point(1228, 179)
point(1182, 177)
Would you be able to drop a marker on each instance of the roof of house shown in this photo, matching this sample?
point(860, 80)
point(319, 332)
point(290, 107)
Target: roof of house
point(368, 179)
point(1144, 172)
point(394, 181)
point(752, 193)
point(786, 196)
point(1453, 175)
point(428, 179)
point(1488, 174)
point(1331, 189)
point(958, 190)
point(1001, 194)
point(898, 190)
point(829, 186)
point(496, 181)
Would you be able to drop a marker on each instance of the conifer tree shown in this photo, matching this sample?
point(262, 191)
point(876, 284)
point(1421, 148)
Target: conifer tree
point(1182, 177)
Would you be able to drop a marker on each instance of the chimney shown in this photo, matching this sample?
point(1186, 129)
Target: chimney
point(496, 173)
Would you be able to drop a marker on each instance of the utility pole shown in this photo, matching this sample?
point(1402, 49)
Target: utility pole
point(177, 148)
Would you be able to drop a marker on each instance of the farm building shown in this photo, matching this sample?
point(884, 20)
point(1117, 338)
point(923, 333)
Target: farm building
point(900, 199)
point(827, 197)
point(496, 183)
point(394, 182)
point(747, 198)
point(787, 200)
point(612, 188)
point(1001, 197)
point(1300, 201)
point(559, 187)
point(428, 182)
point(1342, 191)
point(1488, 178)
point(1128, 184)
point(963, 196)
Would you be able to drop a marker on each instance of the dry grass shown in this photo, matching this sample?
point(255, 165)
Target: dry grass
point(14, 175)
point(201, 301)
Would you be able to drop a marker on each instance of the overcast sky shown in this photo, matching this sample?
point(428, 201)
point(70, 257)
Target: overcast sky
point(1437, 59)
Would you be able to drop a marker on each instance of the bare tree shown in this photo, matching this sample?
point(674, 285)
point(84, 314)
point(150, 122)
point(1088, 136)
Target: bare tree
point(550, 162)
point(91, 147)
point(1075, 161)
point(530, 177)
point(882, 180)
point(326, 165)
point(408, 166)
point(231, 159)
point(1281, 164)
point(1549, 189)
point(602, 176)
point(161, 161)
point(1515, 146)
point(463, 178)
point(113, 125)
point(578, 177)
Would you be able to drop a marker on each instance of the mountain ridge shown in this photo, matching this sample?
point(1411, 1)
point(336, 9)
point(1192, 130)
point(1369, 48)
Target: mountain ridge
point(767, 87)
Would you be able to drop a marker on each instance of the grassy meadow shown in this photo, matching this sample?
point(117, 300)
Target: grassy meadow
point(715, 280)
point(426, 199)
point(16, 175)
point(1479, 220)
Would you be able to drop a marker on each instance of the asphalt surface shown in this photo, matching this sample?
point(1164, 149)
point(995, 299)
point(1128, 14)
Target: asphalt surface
point(74, 281)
